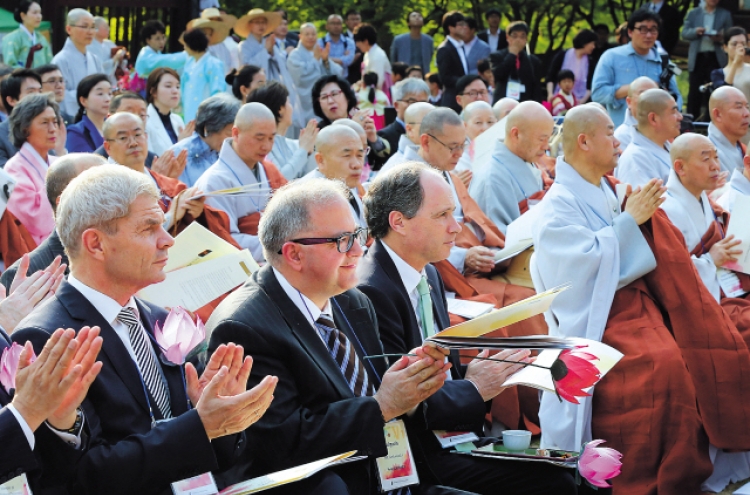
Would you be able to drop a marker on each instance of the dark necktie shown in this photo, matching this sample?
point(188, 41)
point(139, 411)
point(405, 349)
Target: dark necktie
point(355, 205)
point(342, 352)
point(146, 362)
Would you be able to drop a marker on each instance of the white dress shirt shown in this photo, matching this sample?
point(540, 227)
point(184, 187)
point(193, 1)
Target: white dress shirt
point(461, 53)
point(308, 308)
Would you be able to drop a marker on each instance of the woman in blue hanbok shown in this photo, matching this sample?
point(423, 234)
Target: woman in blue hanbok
point(203, 75)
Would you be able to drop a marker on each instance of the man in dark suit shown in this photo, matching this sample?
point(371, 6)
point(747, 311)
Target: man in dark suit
point(110, 223)
point(516, 72)
point(58, 177)
point(20, 83)
point(410, 214)
point(410, 90)
point(307, 325)
point(671, 22)
point(493, 35)
point(451, 57)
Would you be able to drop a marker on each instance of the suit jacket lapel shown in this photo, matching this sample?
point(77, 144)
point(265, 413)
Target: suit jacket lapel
point(438, 308)
point(386, 263)
point(112, 347)
point(301, 329)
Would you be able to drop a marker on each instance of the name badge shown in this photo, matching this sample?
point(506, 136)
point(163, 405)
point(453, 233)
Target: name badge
point(17, 486)
point(396, 469)
point(514, 89)
point(451, 438)
point(730, 283)
point(203, 484)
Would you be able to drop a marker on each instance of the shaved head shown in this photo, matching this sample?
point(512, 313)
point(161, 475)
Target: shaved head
point(475, 106)
point(65, 169)
point(351, 125)
point(641, 84)
point(653, 101)
point(330, 138)
point(729, 112)
point(113, 122)
point(696, 163)
point(251, 113)
point(583, 119)
point(503, 107)
point(416, 111)
point(528, 128)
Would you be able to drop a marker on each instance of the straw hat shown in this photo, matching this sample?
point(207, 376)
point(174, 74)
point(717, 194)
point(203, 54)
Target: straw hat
point(243, 25)
point(212, 19)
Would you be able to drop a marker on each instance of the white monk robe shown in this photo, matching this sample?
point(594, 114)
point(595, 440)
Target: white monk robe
point(693, 218)
point(501, 183)
point(583, 238)
point(738, 186)
point(730, 154)
point(642, 161)
point(230, 171)
point(624, 132)
point(399, 156)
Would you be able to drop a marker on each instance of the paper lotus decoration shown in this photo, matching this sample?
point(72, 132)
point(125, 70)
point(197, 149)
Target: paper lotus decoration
point(9, 366)
point(573, 371)
point(599, 464)
point(179, 335)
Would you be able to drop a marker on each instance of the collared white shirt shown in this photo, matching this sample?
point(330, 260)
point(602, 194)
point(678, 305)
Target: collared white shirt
point(493, 40)
point(461, 53)
point(410, 278)
point(308, 308)
point(110, 309)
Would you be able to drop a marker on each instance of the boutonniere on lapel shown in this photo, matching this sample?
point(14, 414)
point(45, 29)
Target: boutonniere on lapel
point(9, 366)
point(178, 336)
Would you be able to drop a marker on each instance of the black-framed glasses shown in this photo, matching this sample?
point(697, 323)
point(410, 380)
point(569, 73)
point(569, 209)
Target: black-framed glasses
point(452, 149)
point(647, 30)
point(344, 242)
point(474, 93)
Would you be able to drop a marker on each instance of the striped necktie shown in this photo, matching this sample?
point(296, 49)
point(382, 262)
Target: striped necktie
point(342, 352)
point(146, 362)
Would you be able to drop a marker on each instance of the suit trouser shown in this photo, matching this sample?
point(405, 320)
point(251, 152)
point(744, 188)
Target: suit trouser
point(705, 62)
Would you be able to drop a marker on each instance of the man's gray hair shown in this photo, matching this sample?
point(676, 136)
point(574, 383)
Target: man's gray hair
point(215, 113)
point(25, 112)
point(288, 212)
point(307, 25)
point(434, 121)
point(100, 21)
point(97, 199)
point(64, 170)
point(398, 189)
point(410, 86)
point(77, 15)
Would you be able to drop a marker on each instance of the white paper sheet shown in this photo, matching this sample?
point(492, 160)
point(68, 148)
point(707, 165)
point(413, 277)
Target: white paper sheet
point(468, 309)
point(194, 245)
point(739, 227)
point(510, 251)
point(195, 286)
point(522, 227)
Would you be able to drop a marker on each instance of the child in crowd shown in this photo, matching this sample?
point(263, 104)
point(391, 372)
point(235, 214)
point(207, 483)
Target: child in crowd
point(370, 97)
point(436, 88)
point(564, 99)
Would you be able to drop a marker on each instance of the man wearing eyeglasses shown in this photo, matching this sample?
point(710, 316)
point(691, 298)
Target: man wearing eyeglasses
point(75, 60)
point(304, 321)
point(54, 82)
point(620, 66)
point(471, 88)
point(405, 93)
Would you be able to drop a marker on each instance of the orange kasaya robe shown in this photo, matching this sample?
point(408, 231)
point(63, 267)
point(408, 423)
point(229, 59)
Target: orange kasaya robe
point(684, 380)
point(249, 223)
point(15, 240)
point(213, 219)
point(516, 407)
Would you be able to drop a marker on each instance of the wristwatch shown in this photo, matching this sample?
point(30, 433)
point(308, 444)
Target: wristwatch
point(76, 428)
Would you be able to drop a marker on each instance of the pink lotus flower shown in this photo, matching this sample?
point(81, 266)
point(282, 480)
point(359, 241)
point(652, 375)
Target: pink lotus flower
point(9, 366)
point(179, 336)
point(598, 464)
point(572, 372)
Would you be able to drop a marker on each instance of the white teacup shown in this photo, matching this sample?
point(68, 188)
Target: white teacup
point(516, 440)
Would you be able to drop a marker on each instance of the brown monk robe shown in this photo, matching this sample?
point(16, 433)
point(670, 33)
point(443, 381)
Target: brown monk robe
point(249, 223)
point(15, 240)
point(738, 308)
point(517, 407)
point(684, 380)
point(214, 220)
